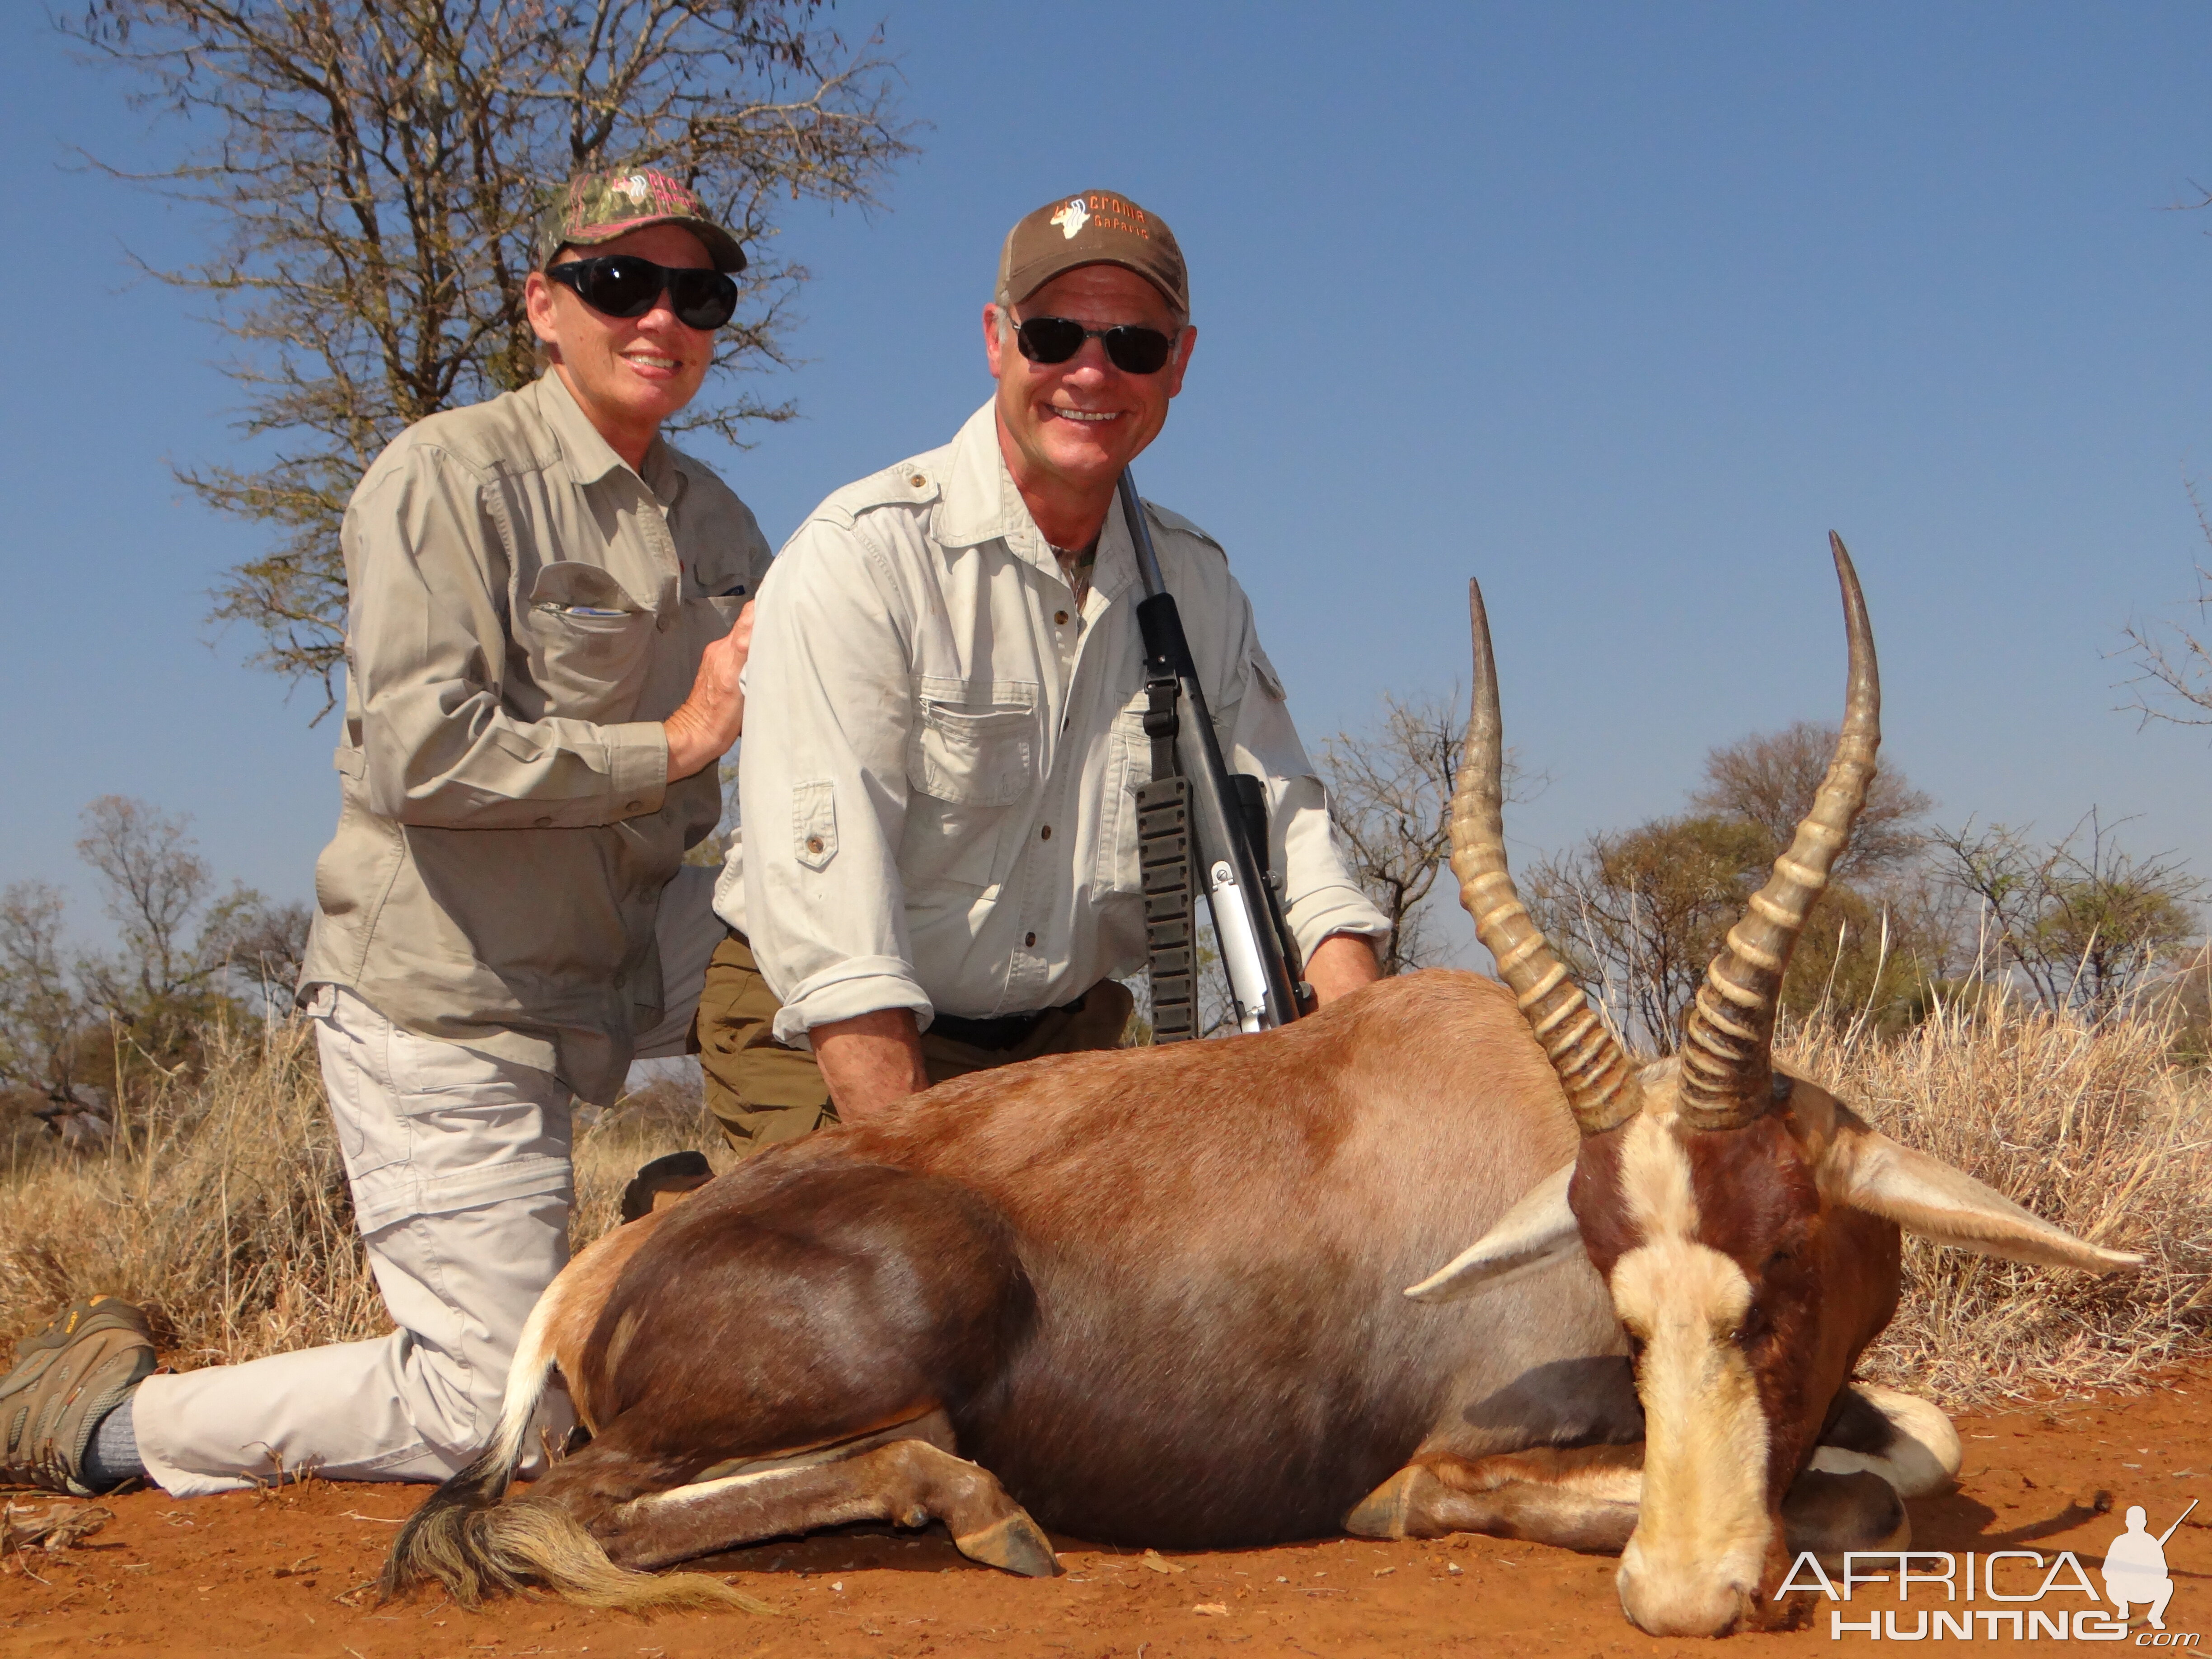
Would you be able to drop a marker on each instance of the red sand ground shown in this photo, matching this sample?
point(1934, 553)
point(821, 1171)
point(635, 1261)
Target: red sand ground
point(276, 1573)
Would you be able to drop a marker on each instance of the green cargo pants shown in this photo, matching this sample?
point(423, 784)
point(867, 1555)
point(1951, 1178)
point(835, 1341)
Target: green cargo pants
point(762, 1092)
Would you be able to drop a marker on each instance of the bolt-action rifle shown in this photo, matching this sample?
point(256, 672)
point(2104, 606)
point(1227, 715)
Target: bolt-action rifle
point(1199, 825)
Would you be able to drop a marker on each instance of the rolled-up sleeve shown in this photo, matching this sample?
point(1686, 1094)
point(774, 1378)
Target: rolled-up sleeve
point(822, 776)
point(427, 567)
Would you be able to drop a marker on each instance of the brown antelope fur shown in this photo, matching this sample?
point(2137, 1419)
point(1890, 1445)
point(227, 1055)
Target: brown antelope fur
point(1160, 1296)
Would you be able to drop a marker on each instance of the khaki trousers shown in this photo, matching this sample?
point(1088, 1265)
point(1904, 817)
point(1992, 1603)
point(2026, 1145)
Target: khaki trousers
point(459, 1167)
point(762, 1092)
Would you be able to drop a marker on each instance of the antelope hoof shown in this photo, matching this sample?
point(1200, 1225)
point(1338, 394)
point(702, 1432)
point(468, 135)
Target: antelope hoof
point(1386, 1511)
point(1015, 1543)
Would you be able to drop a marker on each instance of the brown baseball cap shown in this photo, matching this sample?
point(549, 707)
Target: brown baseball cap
point(598, 207)
point(1093, 227)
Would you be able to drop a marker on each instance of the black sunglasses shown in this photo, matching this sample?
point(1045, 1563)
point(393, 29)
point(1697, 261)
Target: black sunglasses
point(623, 285)
point(1130, 349)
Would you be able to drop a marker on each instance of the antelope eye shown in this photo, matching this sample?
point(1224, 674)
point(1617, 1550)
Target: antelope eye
point(1753, 1325)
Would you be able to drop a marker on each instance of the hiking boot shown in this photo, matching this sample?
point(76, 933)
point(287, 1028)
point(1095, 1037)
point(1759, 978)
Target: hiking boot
point(66, 1378)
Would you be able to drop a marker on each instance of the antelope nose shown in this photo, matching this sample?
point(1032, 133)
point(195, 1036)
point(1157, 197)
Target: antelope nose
point(1679, 1603)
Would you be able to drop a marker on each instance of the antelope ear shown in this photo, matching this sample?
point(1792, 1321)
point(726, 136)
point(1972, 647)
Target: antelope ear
point(1533, 1231)
point(1924, 1196)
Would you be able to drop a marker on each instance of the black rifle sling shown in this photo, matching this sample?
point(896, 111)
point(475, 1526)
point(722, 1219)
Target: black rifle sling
point(1163, 860)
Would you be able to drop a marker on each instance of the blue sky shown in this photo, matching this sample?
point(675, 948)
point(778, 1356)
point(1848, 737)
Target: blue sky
point(1620, 308)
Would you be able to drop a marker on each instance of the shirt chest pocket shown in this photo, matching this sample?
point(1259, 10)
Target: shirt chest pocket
point(974, 745)
point(972, 760)
point(589, 644)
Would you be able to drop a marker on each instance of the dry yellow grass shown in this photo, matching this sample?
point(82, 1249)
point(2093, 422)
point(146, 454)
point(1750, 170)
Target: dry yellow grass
point(225, 1209)
point(2095, 1128)
point(222, 1207)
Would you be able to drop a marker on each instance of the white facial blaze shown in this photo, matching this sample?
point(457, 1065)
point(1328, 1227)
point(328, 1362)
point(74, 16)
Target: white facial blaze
point(1702, 1536)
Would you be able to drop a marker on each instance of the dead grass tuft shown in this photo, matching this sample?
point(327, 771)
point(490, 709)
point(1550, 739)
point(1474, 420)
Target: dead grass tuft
point(222, 1207)
point(2095, 1128)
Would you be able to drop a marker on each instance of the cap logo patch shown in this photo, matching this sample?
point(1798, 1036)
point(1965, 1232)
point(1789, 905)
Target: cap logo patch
point(1072, 218)
point(635, 186)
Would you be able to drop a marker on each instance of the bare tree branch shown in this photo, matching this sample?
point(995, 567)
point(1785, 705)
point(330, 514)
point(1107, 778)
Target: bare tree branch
point(373, 166)
point(1389, 800)
point(2173, 664)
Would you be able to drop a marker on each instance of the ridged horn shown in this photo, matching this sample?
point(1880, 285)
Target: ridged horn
point(1601, 1084)
point(1728, 1071)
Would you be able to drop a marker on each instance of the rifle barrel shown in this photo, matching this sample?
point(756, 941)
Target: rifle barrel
point(2176, 1526)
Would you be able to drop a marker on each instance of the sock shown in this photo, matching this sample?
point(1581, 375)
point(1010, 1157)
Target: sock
point(111, 1456)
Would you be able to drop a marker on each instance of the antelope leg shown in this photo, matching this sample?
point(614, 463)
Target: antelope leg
point(1581, 1498)
point(909, 1483)
point(1900, 1437)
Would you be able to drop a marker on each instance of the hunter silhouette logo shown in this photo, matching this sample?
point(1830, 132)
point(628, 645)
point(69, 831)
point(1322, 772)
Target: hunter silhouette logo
point(2135, 1566)
point(2134, 1574)
point(1072, 218)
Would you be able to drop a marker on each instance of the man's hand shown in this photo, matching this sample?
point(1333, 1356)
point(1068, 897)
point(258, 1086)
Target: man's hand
point(702, 731)
point(1340, 964)
point(869, 1061)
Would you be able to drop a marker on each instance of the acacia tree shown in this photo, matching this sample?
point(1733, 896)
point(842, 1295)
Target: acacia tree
point(1641, 912)
point(2081, 922)
point(373, 168)
point(1389, 801)
point(72, 1024)
point(45, 1025)
point(184, 948)
point(1769, 779)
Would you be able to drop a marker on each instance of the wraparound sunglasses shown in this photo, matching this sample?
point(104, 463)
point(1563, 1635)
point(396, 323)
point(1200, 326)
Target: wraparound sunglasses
point(623, 285)
point(1130, 349)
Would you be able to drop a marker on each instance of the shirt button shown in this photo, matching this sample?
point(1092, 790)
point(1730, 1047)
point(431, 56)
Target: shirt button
point(1060, 616)
point(634, 806)
point(814, 843)
point(1045, 834)
point(1028, 939)
point(917, 480)
point(544, 824)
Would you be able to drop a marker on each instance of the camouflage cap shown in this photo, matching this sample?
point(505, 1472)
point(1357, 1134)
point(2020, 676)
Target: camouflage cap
point(1096, 228)
point(598, 207)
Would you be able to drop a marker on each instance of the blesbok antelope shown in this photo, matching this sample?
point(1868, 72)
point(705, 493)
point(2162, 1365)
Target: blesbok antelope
point(1154, 1297)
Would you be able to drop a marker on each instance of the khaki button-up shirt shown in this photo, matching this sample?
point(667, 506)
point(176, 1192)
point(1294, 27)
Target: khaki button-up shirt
point(524, 610)
point(942, 749)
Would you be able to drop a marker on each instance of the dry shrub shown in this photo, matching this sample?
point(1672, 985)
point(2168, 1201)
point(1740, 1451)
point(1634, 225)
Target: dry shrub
point(223, 1205)
point(2095, 1128)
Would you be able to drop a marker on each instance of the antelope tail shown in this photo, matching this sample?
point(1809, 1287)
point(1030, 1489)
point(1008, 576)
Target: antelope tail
point(468, 1538)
